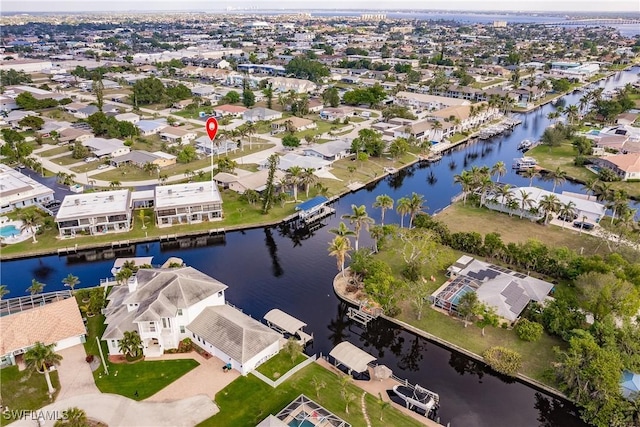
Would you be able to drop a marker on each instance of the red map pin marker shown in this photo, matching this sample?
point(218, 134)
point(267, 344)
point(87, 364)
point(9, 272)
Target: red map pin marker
point(212, 127)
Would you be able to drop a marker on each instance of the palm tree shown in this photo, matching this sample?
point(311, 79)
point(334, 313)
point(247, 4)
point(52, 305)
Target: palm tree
point(384, 202)
point(339, 248)
point(416, 205)
point(525, 202)
point(617, 202)
point(485, 184)
point(499, 169)
point(342, 230)
point(71, 281)
point(250, 129)
point(307, 178)
point(359, 218)
point(549, 203)
point(74, 417)
point(567, 210)
point(3, 291)
point(384, 405)
point(465, 179)
point(131, 344)
point(531, 173)
point(572, 113)
point(115, 184)
point(30, 223)
point(293, 177)
point(36, 287)
point(39, 358)
point(558, 177)
point(403, 207)
point(590, 187)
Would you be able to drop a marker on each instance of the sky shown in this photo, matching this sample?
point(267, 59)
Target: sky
point(472, 5)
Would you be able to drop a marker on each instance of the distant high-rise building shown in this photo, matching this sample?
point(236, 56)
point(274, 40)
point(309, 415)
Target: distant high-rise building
point(499, 24)
point(373, 17)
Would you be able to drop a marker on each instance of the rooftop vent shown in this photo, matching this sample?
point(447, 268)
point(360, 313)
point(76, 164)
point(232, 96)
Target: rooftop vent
point(201, 189)
point(110, 198)
point(169, 191)
point(77, 201)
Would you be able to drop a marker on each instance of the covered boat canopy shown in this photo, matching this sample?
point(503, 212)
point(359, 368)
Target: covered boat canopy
point(351, 356)
point(284, 321)
point(312, 203)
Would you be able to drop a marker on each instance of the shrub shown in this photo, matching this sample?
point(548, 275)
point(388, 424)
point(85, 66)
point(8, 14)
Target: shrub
point(89, 358)
point(503, 360)
point(529, 331)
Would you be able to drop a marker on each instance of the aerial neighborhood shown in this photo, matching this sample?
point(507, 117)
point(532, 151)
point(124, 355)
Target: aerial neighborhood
point(473, 183)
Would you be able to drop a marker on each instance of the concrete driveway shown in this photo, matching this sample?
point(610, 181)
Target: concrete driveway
point(119, 411)
point(75, 374)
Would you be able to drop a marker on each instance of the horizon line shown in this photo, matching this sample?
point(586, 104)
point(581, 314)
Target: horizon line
point(250, 9)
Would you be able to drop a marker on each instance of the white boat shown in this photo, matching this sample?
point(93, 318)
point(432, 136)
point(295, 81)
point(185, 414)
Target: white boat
point(525, 144)
point(418, 397)
point(524, 163)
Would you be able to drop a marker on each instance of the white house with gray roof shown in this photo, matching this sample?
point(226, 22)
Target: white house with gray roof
point(159, 304)
point(95, 213)
point(331, 151)
point(167, 305)
point(234, 337)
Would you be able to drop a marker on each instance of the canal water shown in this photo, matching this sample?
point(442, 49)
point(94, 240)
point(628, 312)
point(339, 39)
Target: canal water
point(278, 267)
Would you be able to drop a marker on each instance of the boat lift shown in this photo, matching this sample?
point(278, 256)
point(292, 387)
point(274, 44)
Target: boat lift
point(284, 323)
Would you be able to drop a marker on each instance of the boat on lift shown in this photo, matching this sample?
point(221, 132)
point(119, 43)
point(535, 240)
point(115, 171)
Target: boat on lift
point(525, 144)
point(416, 397)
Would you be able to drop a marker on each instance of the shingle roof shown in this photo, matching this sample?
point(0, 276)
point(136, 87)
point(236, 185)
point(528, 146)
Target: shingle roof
point(233, 332)
point(47, 324)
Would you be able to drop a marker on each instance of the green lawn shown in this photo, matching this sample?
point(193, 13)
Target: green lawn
point(537, 357)
point(145, 377)
point(562, 157)
point(482, 85)
point(53, 152)
point(279, 365)
point(24, 390)
point(247, 401)
point(66, 160)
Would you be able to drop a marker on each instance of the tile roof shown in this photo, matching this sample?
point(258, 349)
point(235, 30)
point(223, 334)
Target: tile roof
point(48, 324)
point(233, 332)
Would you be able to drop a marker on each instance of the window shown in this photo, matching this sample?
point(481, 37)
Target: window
point(179, 312)
point(220, 293)
point(182, 330)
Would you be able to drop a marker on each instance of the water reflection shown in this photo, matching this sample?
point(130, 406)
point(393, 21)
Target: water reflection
point(276, 267)
point(339, 325)
point(463, 365)
point(410, 360)
point(553, 412)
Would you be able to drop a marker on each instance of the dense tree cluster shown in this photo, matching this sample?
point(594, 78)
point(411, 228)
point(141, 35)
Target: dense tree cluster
point(12, 77)
point(152, 91)
point(101, 124)
point(304, 68)
point(372, 96)
point(15, 147)
point(27, 101)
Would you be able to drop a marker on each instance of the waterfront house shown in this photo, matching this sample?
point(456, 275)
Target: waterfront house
point(232, 336)
point(49, 318)
point(189, 203)
point(166, 306)
point(95, 213)
point(626, 166)
point(423, 101)
point(507, 291)
point(229, 110)
point(590, 210)
point(256, 181)
point(18, 190)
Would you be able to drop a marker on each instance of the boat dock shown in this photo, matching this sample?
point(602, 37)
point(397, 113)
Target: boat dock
point(287, 325)
point(378, 388)
point(524, 163)
point(505, 125)
point(363, 314)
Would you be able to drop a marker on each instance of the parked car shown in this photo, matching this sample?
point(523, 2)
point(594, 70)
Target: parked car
point(91, 159)
point(568, 218)
point(52, 204)
point(583, 225)
point(103, 166)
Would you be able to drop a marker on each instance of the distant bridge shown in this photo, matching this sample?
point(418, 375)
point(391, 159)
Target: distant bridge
point(595, 21)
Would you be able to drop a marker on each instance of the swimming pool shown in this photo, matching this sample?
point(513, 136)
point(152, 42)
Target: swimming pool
point(593, 132)
point(9, 231)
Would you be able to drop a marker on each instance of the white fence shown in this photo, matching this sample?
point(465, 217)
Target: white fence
point(286, 376)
